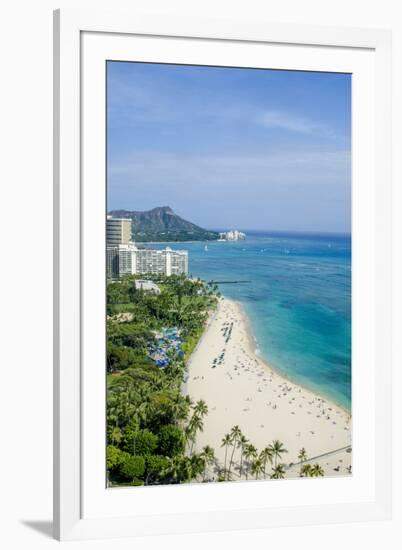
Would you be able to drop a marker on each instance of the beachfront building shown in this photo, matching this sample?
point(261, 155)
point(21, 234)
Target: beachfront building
point(112, 262)
point(123, 257)
point(128, 259)
point(118, 231)
point(233, 235)
point(164, 262)
point(147, 286)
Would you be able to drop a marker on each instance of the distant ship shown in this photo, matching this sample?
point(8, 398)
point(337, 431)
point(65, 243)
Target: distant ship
point(206, 248)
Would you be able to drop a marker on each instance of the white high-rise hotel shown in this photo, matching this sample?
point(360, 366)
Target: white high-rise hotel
point(125, 258)
point(133, 260)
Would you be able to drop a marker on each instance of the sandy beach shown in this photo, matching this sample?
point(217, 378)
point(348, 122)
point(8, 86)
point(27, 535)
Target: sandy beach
point(239, 388)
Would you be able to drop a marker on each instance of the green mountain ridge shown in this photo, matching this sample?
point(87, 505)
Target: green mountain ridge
point(162, 224)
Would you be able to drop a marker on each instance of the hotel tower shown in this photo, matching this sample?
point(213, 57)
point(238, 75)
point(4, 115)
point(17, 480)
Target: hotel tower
point(123, 257)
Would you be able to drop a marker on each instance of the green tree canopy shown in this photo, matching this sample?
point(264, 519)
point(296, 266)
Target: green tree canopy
point(114, 457)
point(139, 442)
point(171, 440)
point(132, 467)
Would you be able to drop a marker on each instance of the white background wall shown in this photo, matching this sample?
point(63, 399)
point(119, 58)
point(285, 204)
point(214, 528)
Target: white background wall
point(25, 307)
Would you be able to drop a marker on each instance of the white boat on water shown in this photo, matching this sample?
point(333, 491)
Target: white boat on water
point(206, 248)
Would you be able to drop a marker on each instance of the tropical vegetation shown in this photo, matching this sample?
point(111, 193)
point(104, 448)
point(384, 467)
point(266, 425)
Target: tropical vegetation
point(152, 426)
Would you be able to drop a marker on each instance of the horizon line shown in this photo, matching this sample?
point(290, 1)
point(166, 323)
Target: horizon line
point(303, 231)
point(250, 230)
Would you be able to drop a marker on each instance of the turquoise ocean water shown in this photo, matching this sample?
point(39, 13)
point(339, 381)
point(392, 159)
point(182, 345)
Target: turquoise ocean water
point(298, 301)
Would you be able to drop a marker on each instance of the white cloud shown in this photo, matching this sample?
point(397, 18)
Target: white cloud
point(303, 191)
point(289, 122)
point(134, 102)
point(298, 168)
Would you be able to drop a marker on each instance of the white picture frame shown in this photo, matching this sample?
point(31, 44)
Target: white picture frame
point(83, 507)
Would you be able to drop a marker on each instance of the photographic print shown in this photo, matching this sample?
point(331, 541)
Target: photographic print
point(228, 274)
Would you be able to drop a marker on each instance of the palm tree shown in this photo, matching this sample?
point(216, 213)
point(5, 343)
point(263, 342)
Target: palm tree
point(243, 441)
point(179, 407)
point(173, 371)
point(302, 455)
point(317, 471)
point(223, 475)
point(277, 450)
point(278, 472)
point(175, 468)
point(124, 405)
point(196, 466)
point(226, 441)
point(188, 466)
point(142, 413)
point(115, 436)
point(196, 424)
point(189, 401)
point(250, 452)
point(257, 467)
point(235, 434)
point(305, 470)
point(265, 456)
point(201, 408)
point(208, 456)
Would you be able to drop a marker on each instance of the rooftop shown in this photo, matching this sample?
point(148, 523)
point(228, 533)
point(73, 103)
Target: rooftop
point(146, 286)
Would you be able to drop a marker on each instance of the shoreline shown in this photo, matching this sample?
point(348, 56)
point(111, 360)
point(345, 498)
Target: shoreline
point(253, 346)
point(241, 388)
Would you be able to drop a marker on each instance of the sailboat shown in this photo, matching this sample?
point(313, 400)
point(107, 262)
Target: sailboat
point(206, 248)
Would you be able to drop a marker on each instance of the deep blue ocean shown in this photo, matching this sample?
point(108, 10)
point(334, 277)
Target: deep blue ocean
point(298, 301)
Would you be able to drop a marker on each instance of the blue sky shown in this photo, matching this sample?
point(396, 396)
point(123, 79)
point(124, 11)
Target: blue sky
point(231, 148)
